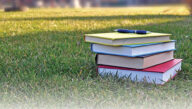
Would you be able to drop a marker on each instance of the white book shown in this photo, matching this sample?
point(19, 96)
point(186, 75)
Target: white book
point(158, 74)
point(134, 50)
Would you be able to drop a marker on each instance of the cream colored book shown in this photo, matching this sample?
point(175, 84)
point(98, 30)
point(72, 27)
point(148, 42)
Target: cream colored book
point(134, 62)
point(116, 39)
point(158, 74)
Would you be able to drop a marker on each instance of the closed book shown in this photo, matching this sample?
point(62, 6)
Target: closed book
point(134, 62)
point(158, 74)
point(134, 50)
point(116, 39)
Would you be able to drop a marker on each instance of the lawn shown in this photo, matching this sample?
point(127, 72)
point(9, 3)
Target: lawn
point(46, 63)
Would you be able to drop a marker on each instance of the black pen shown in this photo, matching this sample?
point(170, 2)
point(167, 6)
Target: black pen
point(132, 31)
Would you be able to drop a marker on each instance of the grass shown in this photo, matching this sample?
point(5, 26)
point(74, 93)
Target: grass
point(44, 59)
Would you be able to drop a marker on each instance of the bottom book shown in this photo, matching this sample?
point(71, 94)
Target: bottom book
point(159, 74)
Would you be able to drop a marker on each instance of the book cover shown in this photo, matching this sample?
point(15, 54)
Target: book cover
point(134, 62)
point(116, 39)
point(161, 68)
point(115, 35)
point(134, 50)
point(159, 74)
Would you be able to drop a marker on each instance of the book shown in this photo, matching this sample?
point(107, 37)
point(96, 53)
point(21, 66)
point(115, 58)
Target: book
point(134, 62)
point(134, 50)
point(158, 74)
point(116, 39)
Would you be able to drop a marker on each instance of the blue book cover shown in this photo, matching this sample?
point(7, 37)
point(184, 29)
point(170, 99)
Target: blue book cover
point(153, 48)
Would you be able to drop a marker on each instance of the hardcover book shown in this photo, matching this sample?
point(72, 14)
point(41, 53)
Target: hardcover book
point(134, 50)
point(158, 74)
point(134, 62)
point(116, 39)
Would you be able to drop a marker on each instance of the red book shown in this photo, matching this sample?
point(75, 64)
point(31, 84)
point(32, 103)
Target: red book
point(158, 74)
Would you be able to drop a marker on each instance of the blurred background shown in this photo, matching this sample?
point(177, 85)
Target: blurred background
point(83, 3)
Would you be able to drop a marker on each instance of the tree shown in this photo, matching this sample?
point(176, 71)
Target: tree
point(75, 3)
point(53, 3)
point(17, 5)
point(189, 4)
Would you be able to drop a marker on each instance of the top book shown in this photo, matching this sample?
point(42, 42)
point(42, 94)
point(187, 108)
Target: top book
point(116, 39)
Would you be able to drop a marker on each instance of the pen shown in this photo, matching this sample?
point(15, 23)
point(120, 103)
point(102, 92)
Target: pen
point(132, 31)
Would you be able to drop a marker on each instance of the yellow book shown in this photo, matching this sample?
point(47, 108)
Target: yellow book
point(116, 39)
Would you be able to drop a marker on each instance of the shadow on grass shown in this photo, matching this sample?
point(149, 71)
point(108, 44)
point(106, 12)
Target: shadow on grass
point(96, 17)
point(48, 53)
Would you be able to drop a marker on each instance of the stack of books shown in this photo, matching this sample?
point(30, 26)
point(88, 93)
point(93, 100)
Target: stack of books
point(140, 57)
